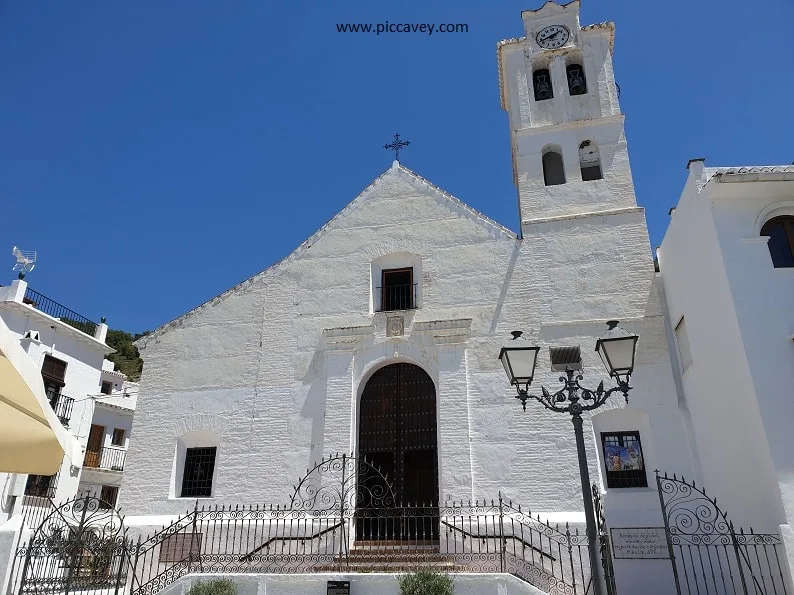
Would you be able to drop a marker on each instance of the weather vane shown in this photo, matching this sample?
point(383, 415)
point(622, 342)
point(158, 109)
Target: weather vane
point(396, 145)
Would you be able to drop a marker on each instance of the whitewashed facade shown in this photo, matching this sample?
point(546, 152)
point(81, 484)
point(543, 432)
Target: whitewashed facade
point(111, 426)
point(271, 373)
point(731, 315)
point(77, 358)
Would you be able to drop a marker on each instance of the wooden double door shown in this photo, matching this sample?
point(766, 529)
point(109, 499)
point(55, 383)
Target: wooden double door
point(398, 435)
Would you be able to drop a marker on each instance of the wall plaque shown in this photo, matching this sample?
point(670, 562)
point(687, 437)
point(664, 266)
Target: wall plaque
point(639, 543)
point(338, 588)
point(395, 326)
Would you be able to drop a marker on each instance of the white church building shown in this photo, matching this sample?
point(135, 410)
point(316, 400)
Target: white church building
point(380, 334)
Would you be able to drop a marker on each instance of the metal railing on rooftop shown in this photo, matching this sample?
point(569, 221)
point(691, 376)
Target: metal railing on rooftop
point(52, 308)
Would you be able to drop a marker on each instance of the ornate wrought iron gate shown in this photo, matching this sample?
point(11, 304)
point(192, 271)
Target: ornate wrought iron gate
point(80, 546)
point(708, 555)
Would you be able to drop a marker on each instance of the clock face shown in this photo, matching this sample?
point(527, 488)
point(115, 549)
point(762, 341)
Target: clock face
point(552, 37)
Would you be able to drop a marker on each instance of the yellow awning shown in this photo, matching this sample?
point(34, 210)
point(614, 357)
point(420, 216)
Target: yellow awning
point(32, 440)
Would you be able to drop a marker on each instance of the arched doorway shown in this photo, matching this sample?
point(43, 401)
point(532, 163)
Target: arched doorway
point(397, 433)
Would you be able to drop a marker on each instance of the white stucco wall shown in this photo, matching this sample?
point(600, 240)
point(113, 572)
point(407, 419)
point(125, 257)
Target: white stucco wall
point(360, 584)
point(718, 274)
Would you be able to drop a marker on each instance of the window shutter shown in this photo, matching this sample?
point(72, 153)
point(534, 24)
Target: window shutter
point(54, 370)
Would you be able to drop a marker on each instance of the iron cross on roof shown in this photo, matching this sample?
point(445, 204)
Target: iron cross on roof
point(396, 145)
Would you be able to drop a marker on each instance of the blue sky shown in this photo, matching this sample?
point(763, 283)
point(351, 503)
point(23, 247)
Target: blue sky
point(157, 152)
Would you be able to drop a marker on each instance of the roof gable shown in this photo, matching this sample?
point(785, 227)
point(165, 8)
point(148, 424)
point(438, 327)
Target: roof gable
point(396, 170)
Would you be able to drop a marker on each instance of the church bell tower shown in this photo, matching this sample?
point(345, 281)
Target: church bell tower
point(566, 127)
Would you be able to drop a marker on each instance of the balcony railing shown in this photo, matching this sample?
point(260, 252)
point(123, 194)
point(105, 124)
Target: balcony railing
point(56, 310)
point(62, 406)
point(396, 297)
point(105, 458)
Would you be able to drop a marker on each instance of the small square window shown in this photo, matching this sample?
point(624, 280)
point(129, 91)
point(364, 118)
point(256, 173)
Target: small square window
point(197, 477)
point(625, 466)
point(118, 437)
point(107, 387)
point(108, 497)
point(398, 290)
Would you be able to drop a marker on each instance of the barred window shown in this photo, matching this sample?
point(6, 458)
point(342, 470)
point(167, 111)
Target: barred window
point(625, 466)
point(43, 486)
point(108, 497)
point(199, 467)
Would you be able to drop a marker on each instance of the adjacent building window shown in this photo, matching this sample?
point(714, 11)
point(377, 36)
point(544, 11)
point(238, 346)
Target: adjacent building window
point(590, 161)
point(118, 437)
point(108, 497)
point(541, 84)
point(197, 476)
point(577, 84)
point(397, 290)
point(43, 486)
point(625, 467)
point(682, 342)
point(107, 387)
point(781, 240)
point(553, 168)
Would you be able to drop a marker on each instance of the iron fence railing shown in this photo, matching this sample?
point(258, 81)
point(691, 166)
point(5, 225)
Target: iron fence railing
point(709, 555)
point(396, 297)
point(105, 458)
point(52, 308)
point(62, 406)
point(457, 537)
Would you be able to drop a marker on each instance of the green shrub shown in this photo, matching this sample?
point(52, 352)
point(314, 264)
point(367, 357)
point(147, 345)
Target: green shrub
point(426, 581)
point(221, 586)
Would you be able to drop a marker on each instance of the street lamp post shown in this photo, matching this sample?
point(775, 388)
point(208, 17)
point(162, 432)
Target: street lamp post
point(617, 349)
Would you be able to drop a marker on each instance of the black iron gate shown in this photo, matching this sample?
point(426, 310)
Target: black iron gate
point(605, 549)
point(80, 546)
point(708, 555)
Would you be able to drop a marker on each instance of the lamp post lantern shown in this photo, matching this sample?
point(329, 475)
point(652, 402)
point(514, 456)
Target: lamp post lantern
point(617, 349)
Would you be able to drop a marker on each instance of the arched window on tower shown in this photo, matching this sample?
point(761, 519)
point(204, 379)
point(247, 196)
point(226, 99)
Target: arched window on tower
point(553, 169)
point(577, 84)
point(541, 83)
point(590, 161)
point(781, 240)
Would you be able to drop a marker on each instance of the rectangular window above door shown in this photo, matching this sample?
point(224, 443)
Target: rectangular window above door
point(397, 290)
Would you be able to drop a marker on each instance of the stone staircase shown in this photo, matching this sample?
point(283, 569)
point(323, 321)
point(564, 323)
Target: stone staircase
point(392, 556)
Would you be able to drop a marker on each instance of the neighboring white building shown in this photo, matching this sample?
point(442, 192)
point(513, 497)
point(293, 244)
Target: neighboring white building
point(108, 438)
point(727, 263)
point(409, 289)
point(70, 350)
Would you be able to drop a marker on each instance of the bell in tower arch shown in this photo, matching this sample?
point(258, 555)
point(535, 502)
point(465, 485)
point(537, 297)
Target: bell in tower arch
point(577, 85)
point(541, 84)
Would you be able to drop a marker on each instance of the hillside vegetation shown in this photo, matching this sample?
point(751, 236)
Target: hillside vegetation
point(126, 358)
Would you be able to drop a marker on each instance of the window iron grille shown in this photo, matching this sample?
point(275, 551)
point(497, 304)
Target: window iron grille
point(197, 476)
point(42, 486)
point(625, 466)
